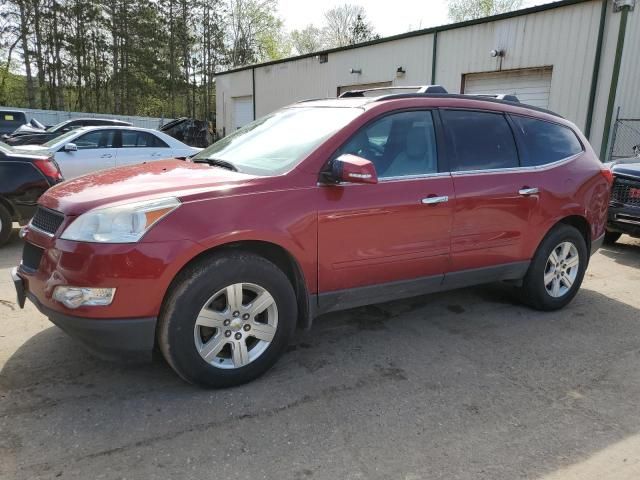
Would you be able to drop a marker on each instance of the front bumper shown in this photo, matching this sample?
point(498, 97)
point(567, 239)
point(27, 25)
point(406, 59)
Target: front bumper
point(624, 219)
point(115, 338)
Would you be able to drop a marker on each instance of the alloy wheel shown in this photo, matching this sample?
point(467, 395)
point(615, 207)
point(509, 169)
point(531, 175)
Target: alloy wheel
point(236, 325)
point(561, 269)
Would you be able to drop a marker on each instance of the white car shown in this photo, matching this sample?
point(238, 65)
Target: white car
point(88, 149)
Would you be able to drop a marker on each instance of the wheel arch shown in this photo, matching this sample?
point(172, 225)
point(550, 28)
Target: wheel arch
point(276, 254)
point(581, 224)
point(9, 206)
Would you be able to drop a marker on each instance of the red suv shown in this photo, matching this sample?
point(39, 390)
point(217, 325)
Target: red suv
point(321, 206)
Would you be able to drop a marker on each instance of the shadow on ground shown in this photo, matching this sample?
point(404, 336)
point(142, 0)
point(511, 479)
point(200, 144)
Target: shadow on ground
point(465, 385)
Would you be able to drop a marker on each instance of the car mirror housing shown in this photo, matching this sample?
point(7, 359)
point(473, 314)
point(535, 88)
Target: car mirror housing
point(349, 168)
point(70, 147)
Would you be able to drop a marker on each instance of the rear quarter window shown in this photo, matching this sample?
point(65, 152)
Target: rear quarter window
point(545, 142)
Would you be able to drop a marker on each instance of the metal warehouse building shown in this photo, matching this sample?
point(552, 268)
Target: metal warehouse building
point(580, 58)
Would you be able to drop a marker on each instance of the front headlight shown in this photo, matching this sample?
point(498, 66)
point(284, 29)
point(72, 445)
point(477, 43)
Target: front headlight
point(121, 224)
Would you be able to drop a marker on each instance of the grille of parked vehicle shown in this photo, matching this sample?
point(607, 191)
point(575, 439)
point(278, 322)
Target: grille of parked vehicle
point(47, 220)
point(626, 191)
point(31, 256)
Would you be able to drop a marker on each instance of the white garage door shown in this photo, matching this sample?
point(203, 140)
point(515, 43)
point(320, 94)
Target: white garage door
point(531, 86)
point(242, 111)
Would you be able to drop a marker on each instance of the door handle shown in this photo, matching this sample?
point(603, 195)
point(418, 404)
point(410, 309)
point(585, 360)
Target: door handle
point(526, 191)
point(435, 200)
point(106, 155)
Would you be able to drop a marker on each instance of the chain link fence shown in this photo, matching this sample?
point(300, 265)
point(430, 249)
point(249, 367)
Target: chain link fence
point(625, 141)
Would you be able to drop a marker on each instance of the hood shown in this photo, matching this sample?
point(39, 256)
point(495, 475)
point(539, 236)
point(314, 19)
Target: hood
point(167, 178)
point(35, 149)
point(27, 129)
point(629, 167)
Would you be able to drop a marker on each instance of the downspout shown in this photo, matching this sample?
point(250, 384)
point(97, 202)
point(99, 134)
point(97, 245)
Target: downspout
point(624, 6)
point(596, 70)
point(253, 91)
point(434, 57)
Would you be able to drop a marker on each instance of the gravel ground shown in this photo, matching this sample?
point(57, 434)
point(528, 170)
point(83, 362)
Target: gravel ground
point(462, 385)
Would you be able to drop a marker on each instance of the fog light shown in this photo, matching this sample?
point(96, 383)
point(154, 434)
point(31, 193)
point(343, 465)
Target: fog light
point(74, 297)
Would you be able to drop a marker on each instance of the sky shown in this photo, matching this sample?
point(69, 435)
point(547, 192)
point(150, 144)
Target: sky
point(388, 17)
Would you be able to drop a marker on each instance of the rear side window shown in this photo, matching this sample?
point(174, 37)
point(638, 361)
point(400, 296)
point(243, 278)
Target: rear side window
point(545, 142)
point(96, 139)
point(133, 139)
point(479, 140)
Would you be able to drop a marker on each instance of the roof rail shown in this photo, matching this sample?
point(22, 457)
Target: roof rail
point(507, 97)
point(418, 89)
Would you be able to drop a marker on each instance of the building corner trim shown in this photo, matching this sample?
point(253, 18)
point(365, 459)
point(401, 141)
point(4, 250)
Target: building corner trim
point(596, 70)
point(606, 135)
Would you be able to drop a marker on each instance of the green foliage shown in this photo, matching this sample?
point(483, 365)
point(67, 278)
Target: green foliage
point(462, 10)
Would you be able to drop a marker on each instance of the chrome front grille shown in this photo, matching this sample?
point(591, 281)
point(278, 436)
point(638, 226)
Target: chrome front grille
point(626, 191)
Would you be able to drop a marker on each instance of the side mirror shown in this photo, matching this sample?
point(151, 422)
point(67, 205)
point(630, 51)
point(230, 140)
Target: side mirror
point(70, 147)
point(349, 168)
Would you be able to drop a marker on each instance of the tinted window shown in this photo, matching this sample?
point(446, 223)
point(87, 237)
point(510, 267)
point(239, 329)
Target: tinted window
point(479, 140)
point(400, 144)
point(545, 142)
point(133, 139)
point(97, 139)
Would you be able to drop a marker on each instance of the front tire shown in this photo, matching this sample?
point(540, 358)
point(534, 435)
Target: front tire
point(557, 269)
point(6, 225)
point(611, 237)
point(227, 320)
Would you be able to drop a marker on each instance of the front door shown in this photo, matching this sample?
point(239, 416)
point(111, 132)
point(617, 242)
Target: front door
point(95, 152)
point(394, 232)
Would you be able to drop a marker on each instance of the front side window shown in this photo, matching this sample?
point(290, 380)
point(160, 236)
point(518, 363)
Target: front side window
point(96, 139)
point(545, 142)
point(479, 140)
point(399, 145)
point(274, 144)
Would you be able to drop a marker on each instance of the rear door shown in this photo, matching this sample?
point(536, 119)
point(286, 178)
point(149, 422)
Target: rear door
point(96, 151)
point(494, 197)
point(395, 231)
point(138, 147)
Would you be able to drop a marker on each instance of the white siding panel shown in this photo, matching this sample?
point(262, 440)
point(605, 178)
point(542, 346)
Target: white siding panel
point(629, 84)
point(531, 86)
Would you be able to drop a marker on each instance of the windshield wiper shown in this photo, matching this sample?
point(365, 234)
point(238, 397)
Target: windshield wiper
point(215, 162)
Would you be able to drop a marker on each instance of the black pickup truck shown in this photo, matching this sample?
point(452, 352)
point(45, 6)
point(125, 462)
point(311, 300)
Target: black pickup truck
point(624, 208)
point(23, 178)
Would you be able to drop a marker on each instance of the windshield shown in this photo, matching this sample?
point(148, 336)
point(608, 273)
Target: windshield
point(57, 126)
point(61, 138)
point(276, 143)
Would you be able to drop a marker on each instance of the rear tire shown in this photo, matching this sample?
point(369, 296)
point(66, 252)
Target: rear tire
point(227, 320)
point(611, 237)
point(6, 225)
point(557, 269)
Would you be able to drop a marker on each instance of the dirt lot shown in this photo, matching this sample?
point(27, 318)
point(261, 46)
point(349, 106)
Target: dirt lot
point(465, 385)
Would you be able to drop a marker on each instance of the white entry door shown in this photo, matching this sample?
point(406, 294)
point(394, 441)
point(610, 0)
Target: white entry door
point(532, 85)
point(242, 111)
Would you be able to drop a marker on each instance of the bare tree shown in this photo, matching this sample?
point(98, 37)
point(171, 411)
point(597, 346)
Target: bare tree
point(347, 25)
point(462, 10)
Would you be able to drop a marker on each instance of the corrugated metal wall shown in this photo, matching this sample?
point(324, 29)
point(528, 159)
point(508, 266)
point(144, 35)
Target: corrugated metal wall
point(51, 117)
point(564, 38)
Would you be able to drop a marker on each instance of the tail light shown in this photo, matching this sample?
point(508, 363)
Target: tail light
point(606, 172)
point(48, 168)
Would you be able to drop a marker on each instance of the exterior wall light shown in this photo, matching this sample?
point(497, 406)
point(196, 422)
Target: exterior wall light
point(356, 71)
point(400, 72)
point(497, 53)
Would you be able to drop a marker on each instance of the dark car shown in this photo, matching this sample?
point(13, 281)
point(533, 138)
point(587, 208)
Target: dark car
point(321, 206)
point(624, 208)
point(27, 135)
point(23, 178)
point(10, 120)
